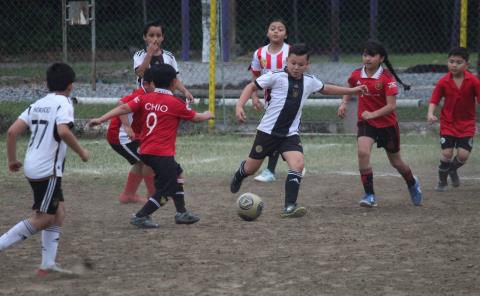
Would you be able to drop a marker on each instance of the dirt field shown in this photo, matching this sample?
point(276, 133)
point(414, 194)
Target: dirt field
point(338, 248)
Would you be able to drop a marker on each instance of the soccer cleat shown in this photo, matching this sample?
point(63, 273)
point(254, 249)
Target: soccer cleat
point(186, 218)
point(266, 176)
point(235, 184)
point(143, 222)
point(293, 211)
point(442, 181)
point(44, 271)
point(441, 187)
point(368, 201)
point(454, 178)
point(416, 193)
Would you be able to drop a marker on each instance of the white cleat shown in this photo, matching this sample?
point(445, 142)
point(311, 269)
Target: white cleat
point(266, 176)
point(44, 271)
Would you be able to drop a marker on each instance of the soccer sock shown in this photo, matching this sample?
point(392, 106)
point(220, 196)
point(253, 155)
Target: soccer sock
point(456, 164)
point(292, 186)
point(367, 180)
point(50, 237)
point(149, 207)
point(150, 184)
point(272, 161)
point(443, 170)
point(179, 199)
point(240, 173)
point(408, 176)
point(19, 232)
point(133, 181)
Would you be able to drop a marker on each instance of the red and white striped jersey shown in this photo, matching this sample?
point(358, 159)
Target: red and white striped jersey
point(263, 61)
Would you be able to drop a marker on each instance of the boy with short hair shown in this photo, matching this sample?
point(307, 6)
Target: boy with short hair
point(459, 88)
point(160, 113)
point(279, 128)
point(49, 120)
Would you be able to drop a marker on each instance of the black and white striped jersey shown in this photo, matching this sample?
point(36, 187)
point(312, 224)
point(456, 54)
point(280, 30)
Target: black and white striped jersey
point(46, 152)
point(288, 95)
point(165, 58)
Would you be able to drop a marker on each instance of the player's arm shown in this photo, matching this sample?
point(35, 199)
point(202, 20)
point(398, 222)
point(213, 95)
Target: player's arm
point(431, 118)
point(69, 138)
point(179, 85)
point(117, 111)
point(437, 95)
point(257, 105)
point(151, 49)
point(387, 109)
point(199, 117)
point(16, 129)
point(330, 89)
point(246, 94)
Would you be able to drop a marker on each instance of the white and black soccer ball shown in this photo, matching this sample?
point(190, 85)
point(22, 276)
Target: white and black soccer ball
point(249, 206)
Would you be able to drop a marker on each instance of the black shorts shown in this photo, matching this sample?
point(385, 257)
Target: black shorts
point(128, 151)
point(453, 142)
point(265, 145)
point(386, 137)
point(47, 194)
point(166, 171)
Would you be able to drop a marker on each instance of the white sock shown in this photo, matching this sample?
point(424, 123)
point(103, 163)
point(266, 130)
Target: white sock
point(19, 232)
point(50, 237)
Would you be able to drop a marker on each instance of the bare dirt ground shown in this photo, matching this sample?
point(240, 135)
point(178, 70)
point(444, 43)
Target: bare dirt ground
point(338, 248)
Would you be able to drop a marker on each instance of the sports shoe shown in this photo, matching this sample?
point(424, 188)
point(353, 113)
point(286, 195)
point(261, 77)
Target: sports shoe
point(235, 184)
point(441, 187)
point(416, 193)
point(186, 218)
point(266, 176)
point(454, 178)
point(368, 201)
point(143, 222)
point(44, 271)
point(442, 181)
point(304, 171)
point(293, 211)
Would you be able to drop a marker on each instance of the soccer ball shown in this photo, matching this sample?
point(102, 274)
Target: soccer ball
point(249, 206)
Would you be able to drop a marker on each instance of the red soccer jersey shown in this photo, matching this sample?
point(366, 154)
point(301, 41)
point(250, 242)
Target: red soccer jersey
point(458, 116)
point(160, 113)
point(115, 132)
point(380, 85)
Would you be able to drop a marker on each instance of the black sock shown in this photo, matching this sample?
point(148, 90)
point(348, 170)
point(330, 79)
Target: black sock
point(240, 173)
point(456, 164)
point(272, 161)
point(443, 170)
point(150, 206)
point(292, 186)
point(367, 180)
point(179, 199)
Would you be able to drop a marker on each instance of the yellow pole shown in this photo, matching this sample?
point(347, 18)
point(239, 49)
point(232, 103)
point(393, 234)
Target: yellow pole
point(213, 47)
point(463, 23)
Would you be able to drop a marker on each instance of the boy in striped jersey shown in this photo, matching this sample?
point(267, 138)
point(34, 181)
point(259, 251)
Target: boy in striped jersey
point(49, 120)
point(279, 127)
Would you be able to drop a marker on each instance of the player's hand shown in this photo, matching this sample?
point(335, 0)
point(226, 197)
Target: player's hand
point(94, 122)
point(14, 166)
point(366, 115)
point(342, 110)
point(240, 114)
point(210, 115)
point(360, 90)
point(152, 48)
point(188, 96)
point(84, 155)
point(130, 132)
point(432, 118)
point(257, 105)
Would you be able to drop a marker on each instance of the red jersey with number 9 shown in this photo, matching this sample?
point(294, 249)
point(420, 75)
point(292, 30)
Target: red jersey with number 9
point(159, 113)
point(381, 85)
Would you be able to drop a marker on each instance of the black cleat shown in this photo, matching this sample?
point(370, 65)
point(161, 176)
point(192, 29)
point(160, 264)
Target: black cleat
point(235, 184)
point(454, 178)
point(143, 222)
point(186, 218)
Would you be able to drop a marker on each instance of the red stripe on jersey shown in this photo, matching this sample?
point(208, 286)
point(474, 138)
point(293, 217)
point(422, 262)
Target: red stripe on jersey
point(259, 56)
point(269, 61)
point(280, 60)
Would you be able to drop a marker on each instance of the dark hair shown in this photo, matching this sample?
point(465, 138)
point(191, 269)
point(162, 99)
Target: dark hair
point(373, 47)
point(162, 75)
point(156, 23)
point(280, 20)
point(148, 75)
point(299, 49)
point(459, 52)
point(59, 77)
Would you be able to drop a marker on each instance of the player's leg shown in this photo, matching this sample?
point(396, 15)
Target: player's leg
point(447, 144)
point(295, 162)
point(149, 179)
point(464, 147)
point(182, 216)
point(268, 174)
point(364, 150)
point(263, 146)
point(129, 152)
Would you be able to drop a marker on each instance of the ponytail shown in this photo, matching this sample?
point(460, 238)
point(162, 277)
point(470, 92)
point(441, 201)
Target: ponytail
point(390, 68)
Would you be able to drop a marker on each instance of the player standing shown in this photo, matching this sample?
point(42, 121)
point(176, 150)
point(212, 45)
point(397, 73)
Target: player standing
point(49, 121)
point(279, 127)
point(377, 121)
point(459, 88)
point(160, 112)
